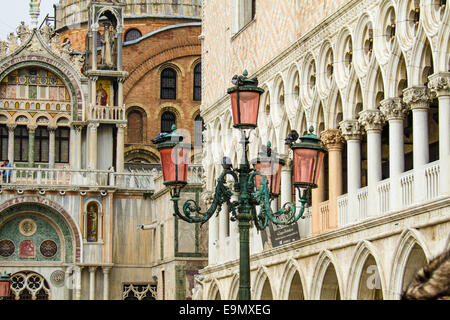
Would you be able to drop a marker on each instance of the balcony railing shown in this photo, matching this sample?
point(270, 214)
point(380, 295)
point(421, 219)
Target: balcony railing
point(324, 215)
point(383, 193)
point(64, 178)
point(107, 113)
point(413, 187)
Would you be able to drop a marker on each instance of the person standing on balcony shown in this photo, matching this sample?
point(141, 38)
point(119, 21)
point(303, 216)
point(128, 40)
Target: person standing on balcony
point(7, 173)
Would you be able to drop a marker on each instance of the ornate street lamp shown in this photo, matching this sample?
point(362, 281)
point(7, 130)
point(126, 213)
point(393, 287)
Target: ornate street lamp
point(5, 283)
point(251, 184)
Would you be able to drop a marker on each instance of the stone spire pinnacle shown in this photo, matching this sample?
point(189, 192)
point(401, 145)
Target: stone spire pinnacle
point(34, 12)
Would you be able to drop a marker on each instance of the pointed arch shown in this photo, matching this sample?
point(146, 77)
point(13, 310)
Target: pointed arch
point(325, 260)
point(260, 284)
point(233, 294)
point(422, 60)
point(214, 291)
point(410, 242)
point(290, 271)
point(357, 278)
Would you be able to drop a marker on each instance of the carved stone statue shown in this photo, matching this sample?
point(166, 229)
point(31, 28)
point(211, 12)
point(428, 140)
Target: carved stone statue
point(107, 46)
point(66, 49)
point(22, 31)
point(3, 48)
point(12, 42)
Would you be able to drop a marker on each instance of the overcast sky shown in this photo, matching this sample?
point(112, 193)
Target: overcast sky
point(14, 11)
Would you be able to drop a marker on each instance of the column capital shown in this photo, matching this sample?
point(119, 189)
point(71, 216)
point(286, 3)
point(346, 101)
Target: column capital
point(106, 269)
point(52, 127)
point(93, 125)
point(32, 127)
point(11, 126)
point(332, 138)
point(417, 97)
point(371, 120)
point(121, 125)
point(350, 129)
point(394, 109)
point(439, 84)
point(92, 268)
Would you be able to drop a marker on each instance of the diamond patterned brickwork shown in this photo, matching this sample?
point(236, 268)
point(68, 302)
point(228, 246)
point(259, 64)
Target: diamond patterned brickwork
point(273, 30)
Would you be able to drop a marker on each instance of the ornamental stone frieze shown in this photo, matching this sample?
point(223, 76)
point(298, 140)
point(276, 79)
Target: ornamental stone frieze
point(393, 109)
point(439, 84)
point(371, 120)
point(332, 138)
point(350, 129)
point(417, 97)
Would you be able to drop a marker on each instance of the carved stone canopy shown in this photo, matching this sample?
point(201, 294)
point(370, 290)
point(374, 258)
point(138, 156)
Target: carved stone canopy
point(394, 109)
point(350, 129)
point(371, 120)
point(417, 97)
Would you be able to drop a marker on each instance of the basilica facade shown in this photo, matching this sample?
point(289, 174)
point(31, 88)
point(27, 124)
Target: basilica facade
point(83, 213)
point(372, 80)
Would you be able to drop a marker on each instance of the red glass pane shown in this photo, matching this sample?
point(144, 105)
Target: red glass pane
point(249, 104)
point(272, 171)
point(305, 165)
point(172, 158)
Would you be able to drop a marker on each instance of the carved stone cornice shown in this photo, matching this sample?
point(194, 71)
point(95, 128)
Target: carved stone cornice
point(371, 120)
point(417, 97)
point(394, 109)
point(350, 129)
point(332, 138)
point(439, 84)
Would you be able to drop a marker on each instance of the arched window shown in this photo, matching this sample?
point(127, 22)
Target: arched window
point(198, 82)
point(135, 127)
point(198, 129)
point(21, 144)
point(62, 137)
point(132, 34)
point(3, 143)
point(167, 120)
point(41, 144)
point(168, 84)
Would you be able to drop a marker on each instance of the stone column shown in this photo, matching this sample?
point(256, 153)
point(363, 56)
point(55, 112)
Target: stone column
point(93, 38)
point(31, 134)
point(92, 270)
point(51, 145)
point(418, 99)
point(286, 181)
point(440, 86)
point(119, 47)
point(11, 128)
point(317, 197)
point(351, 131)
point(395, 111)
point(372, 120)
point(78, 270)
point(120, 146)
point(75, 149)
point(68, 286)
point(106, 271)
point(334, 142)
point(92, 142)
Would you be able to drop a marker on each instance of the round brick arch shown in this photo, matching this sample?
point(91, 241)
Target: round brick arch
point(13, 206)
point(156, 60)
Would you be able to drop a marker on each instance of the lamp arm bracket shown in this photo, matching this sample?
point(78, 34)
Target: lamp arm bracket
point(191, 210)
point(285, 216)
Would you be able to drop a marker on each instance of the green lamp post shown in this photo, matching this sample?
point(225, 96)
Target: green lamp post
point(251, 184)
